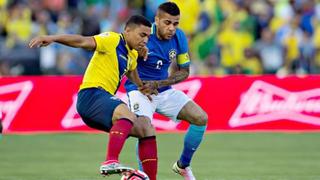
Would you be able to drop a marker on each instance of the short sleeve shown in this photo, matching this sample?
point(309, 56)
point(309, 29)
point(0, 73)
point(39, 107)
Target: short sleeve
point(183, 58)
point(107, 41)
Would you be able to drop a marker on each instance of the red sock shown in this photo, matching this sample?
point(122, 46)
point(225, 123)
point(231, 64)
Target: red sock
point(148, 156)
point(117, 136)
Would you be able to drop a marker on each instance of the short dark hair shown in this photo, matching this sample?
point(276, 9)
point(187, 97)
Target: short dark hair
point(170, 8)
point(138, 20)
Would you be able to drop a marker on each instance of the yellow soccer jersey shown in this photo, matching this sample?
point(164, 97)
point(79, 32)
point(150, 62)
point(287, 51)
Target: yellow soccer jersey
point(110, 61)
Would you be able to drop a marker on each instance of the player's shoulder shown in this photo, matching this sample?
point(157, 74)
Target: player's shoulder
point(109, 35)
point(180, 34)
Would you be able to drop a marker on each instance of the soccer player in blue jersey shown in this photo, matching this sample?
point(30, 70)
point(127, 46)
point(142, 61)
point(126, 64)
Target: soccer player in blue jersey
point(114, 55)
point(168, 44)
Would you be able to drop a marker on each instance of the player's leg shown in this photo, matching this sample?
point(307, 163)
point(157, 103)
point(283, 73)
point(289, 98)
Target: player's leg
point(197, 118)
point(100, 110)
point(146, 146)
point(143, 130)
point(123, 120)
point(176, 105)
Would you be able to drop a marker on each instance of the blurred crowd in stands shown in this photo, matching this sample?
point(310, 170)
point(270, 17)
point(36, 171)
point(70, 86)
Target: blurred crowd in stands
point(225, 36)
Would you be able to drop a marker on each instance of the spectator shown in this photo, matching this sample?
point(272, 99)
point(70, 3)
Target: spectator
point(270, 52)
point(291, 36)
point(222, 33)
point(233, 42)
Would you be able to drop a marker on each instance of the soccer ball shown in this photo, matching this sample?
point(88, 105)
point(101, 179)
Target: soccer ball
point(135, 175)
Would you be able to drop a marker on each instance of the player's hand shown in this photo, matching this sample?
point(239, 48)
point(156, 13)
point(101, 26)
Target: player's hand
point(147, 91)
point(153, 85)
point(40, 41)
point(143, 52)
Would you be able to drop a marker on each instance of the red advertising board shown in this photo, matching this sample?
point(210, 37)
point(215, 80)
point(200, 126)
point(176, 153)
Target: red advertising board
point(233, 103)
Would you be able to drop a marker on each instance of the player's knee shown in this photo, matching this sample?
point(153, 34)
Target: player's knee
point(204, 118)
point(147, 127)
point(201, 119)
point(144, 127)
point(131, 116)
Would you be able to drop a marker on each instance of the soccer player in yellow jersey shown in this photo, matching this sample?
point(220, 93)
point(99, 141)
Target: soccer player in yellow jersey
point(115, 55)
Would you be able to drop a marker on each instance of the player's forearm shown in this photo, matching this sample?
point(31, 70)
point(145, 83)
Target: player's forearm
point(174, 78)
point(133, 76)
point(74, 40)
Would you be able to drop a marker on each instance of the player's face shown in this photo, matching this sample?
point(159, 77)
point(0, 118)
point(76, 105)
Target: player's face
point(166, 25)
point(138, 36)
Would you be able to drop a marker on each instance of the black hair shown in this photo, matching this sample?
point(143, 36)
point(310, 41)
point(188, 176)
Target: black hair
point(138, 20)
point(170, 8)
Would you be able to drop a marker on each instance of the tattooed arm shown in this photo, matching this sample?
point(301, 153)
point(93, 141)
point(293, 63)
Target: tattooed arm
point(177, 74)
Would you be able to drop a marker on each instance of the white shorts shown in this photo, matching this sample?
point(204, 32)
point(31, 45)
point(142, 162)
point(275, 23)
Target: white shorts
point(168, 103)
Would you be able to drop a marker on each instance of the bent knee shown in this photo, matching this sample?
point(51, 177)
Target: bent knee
point(146, 126)
point(201, 119)
point(143, 127)
point(131, 117)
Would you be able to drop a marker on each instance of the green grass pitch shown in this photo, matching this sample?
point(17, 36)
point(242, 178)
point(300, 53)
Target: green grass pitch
point(234, 156)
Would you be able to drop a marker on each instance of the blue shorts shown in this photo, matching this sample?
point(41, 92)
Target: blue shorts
point(96, 106)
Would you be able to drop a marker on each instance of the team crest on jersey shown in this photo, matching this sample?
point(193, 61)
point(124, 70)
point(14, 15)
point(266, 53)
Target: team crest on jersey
point(135, 107)
point(172, 54)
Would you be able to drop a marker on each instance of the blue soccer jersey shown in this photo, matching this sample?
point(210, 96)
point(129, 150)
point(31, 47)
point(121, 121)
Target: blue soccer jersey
point(161, 54)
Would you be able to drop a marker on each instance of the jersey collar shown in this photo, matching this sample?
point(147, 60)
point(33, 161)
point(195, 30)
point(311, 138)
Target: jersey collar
point(154, 29)
point(125, 42)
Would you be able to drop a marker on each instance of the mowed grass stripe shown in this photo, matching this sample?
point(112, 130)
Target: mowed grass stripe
point(240, 156)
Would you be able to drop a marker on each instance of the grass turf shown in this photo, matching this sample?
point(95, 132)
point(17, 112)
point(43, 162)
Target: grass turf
point(252, 156)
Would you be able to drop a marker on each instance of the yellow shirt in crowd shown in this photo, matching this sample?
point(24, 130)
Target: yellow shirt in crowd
point(233, 45)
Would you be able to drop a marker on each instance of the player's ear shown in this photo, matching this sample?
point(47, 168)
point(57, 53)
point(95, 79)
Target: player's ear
point(127, 29)
point(131, 28)
point(156, 20)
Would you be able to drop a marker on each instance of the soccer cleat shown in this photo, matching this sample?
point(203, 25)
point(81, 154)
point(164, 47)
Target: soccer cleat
point(186, 172)
point(114, 167)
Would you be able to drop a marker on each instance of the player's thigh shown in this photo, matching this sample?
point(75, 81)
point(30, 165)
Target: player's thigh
point(193, 113)
point(122, 112)
point(96, 108)
point(171, 102)
point(140, 104)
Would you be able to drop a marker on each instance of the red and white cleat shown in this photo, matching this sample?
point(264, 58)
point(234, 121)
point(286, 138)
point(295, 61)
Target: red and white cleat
point(186, 172)
point(113, 167)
